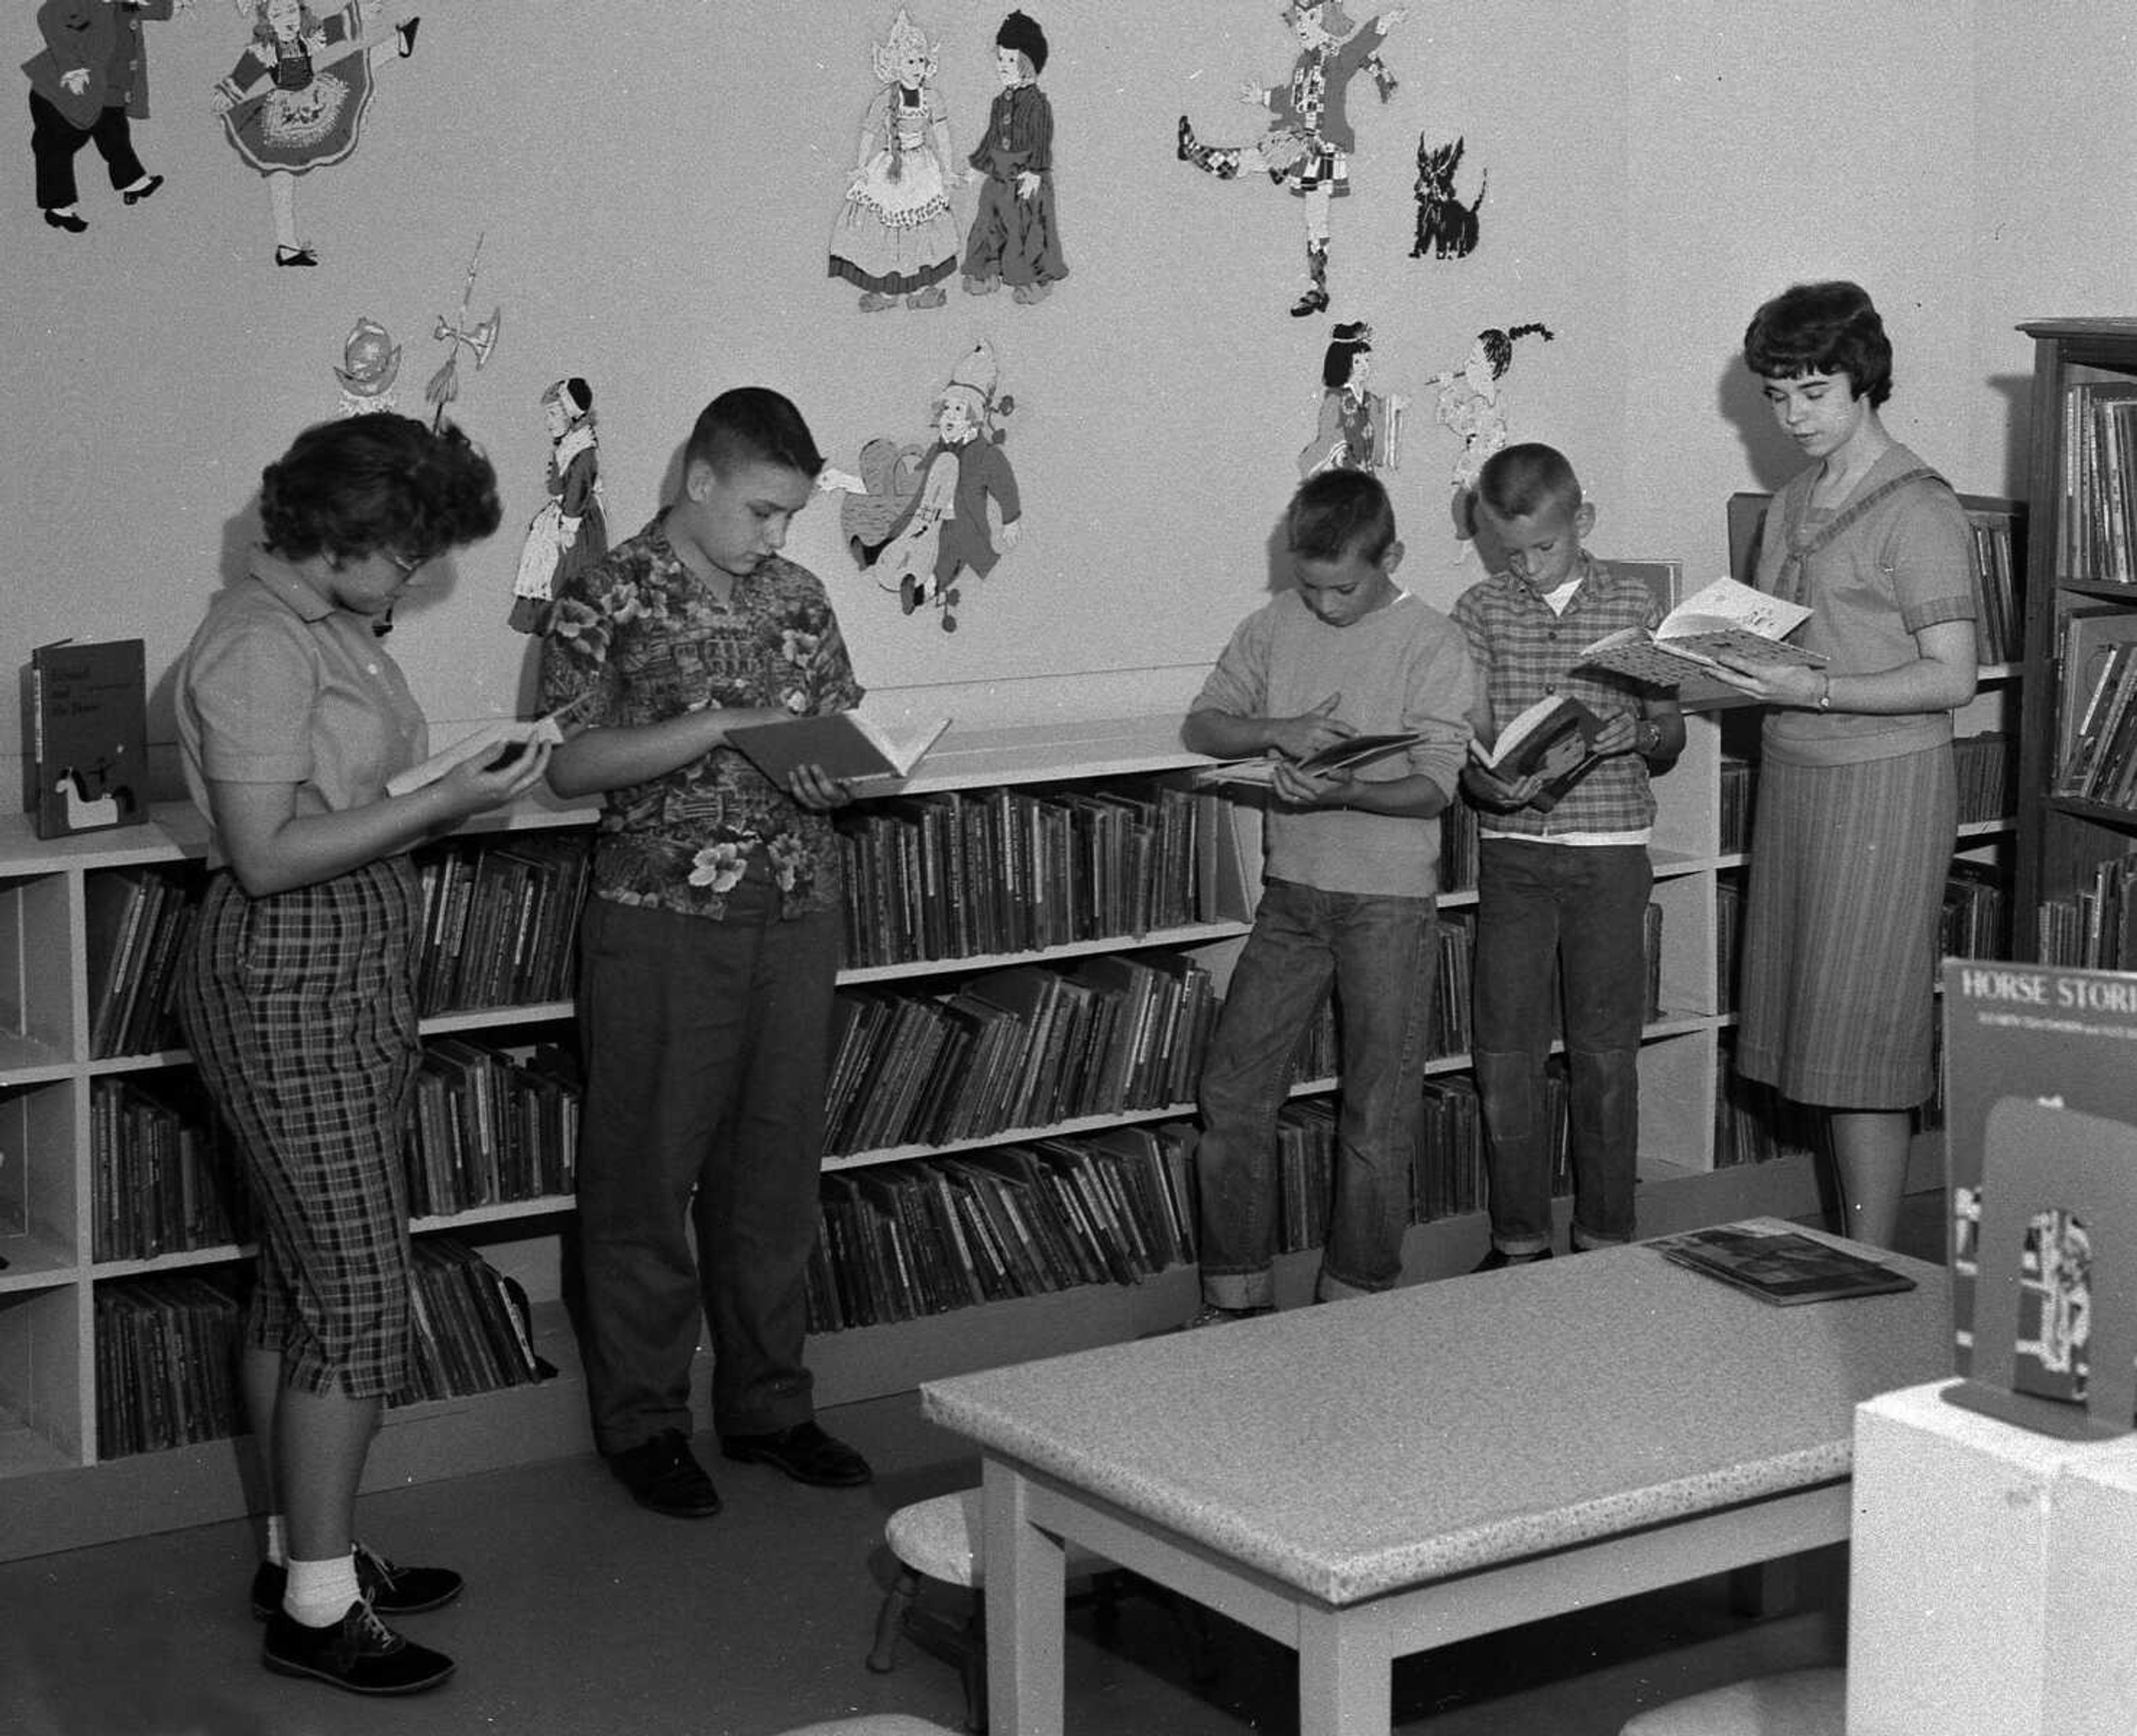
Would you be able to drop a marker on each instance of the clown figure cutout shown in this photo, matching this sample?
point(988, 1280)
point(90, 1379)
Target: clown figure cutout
point(1306, 148)
point(895, 235)
point(964, 514)
point(570, 533)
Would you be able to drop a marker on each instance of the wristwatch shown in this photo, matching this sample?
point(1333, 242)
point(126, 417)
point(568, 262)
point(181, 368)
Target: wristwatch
point(1648, 737)
point(1825, 692)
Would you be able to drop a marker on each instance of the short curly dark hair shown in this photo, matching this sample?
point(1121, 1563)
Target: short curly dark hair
point(1828, 328)
point(352, 488)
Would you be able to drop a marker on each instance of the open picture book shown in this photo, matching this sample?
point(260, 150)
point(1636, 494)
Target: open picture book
point(1347, 754)
point(850, 747)
point(1724, 617)
point(1554, 739)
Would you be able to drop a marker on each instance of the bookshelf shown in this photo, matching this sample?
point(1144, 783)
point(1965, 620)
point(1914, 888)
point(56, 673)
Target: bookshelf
point(2076, 830)
point(57, 1489)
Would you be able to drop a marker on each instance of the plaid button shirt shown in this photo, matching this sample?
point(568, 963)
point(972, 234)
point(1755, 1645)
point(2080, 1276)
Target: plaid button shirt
point(1523, 651)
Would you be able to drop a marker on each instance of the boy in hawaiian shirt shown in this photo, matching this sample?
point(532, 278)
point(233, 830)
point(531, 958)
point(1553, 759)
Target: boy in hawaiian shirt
point(707, 953)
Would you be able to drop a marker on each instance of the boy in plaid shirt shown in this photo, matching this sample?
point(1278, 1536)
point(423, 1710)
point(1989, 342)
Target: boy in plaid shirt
point(1566, 881)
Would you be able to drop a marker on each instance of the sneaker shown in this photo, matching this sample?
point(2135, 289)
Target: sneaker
point(1210, 1314)
point(805, 1452)
point(1499, 1257)
point(359, 1652)
point(390, 1590)
point(664, 1475)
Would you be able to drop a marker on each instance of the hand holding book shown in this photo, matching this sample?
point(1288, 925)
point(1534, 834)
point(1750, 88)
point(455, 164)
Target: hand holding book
point(1725, 629)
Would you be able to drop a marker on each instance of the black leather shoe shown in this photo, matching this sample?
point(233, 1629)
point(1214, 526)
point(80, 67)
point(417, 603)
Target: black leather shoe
point(1499, 1257)
point(70, 221)
point(805, 1452)
point(135, 195)
point(359, 1652)
point(390, 1590)
point(664, 1475)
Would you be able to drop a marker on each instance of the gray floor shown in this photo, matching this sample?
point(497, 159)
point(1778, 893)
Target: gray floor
point(585, 1614)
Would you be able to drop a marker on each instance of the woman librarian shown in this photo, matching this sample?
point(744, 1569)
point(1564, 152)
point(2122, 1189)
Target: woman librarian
point(1857, 805)
point(299, 994)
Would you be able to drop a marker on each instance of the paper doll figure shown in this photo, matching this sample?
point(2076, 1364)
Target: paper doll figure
point(295, 101)
point(1015, 238)
point(1308, 145)
point(963, 513)
point(1358, 430)
point(88, 84)
point(571, 531)
point(896, 234)
point(1469, 399)
point(371, 362)
point(1446, 228)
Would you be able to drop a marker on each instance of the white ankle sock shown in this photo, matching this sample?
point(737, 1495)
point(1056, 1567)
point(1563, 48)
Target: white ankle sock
point(319, 1593)
point(278, 1540)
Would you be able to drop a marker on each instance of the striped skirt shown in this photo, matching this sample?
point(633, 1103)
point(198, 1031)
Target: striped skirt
point(300, 1009)
point(1840, 943)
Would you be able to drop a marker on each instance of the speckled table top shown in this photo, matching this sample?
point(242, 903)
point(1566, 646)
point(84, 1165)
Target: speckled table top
point(1356, 1447)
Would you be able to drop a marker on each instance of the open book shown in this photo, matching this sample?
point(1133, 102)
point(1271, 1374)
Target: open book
point(1347, 754)
point(1553, 739)
point(511, 737)
point(847, 745)
point(1780, 1267)
point(1723, 617)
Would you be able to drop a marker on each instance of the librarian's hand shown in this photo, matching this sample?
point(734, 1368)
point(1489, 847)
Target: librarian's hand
point(816, 789)
point(1777, 684)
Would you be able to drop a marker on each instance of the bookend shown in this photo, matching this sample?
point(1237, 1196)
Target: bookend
point(2039, 1158)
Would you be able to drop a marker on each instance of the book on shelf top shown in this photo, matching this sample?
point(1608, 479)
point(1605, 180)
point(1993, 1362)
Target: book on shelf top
point(85, 736)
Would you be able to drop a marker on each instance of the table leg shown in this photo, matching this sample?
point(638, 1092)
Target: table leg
point(1346, 1674)
point(1026, 1619)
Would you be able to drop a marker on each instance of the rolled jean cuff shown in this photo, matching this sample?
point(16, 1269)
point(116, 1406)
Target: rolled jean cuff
point(1237, 1290)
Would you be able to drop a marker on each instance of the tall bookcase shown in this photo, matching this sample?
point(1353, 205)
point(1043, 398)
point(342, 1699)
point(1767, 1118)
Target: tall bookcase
point(2082, 483)
point(55, 1490)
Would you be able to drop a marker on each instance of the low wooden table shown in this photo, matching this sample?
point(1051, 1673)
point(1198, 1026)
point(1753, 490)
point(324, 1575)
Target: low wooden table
point(1368, 1478)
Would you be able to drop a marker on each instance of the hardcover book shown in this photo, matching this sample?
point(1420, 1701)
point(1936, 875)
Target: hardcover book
point(1780, 1267)
point(1350, 754)
point(851, 746)
point(1722, 619)
point(1554, 739)
point(85, 729)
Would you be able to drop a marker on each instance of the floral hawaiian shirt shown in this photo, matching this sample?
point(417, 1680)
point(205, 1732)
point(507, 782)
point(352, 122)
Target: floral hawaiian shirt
point(641, 640)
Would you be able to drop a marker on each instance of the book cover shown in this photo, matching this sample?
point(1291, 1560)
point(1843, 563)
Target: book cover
point(851, 746)
point(1781, 1266)
point(1351, 754)
point(85, 729)
point(1724, 618)
point(2042, 1051)
point(1554, 739)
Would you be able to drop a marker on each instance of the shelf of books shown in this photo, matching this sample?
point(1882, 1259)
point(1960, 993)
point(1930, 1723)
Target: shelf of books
point(2077, 847)
point(1040, 927)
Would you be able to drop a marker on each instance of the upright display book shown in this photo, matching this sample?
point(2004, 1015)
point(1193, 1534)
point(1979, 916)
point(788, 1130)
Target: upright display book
point(1724, 618)
point(851, 746)
point(1781, 1266)
point(85, 733)
point(1554, 739)
point(1350, 754)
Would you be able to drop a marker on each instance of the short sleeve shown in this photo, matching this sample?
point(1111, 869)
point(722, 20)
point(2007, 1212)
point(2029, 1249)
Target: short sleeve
point(254, 691)
point(1929, 556)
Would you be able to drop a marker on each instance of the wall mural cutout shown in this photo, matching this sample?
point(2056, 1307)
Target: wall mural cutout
point(1446, 228)
point(895, 235)
point(88, 84)
point(296, 100)
point(370, 364)
point(569, 532)
point(1306, 148)
point(1015, 237)
point(930, 520)
point(1358, 430)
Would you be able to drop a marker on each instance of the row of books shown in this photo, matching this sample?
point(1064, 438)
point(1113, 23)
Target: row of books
point(2099, 481)
point(499, 922)
point(2094, 927)
point(137, 921)
point(1022, 1047)
point(900, 1241)
point(167, 1355)
point(490, 1127)
point(1754, 1124)
point(964, 873)
point(1999, 604)
point(163, 1177)
point(470, 1330)
point(2096, 716)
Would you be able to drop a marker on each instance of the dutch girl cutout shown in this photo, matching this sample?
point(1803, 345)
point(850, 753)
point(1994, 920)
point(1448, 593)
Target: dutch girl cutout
point(1358, 430)
point(930, 522)
point(296, 100)
point(895, 235)
point(1306, 147)
point(570, 533)
point(1015, 236)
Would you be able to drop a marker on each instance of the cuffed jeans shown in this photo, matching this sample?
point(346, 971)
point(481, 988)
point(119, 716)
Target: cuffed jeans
point(1378, 954)
point(1584, 908)
point(705, 1048)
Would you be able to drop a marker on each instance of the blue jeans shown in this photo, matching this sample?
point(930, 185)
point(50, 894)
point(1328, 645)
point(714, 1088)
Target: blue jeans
point(706, 1046)
point(1378, 953)
point(1585, 908)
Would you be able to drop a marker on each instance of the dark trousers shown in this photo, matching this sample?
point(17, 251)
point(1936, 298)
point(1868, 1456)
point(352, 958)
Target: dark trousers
point(55, 140)
point(706, 1050)
point(1584, 908)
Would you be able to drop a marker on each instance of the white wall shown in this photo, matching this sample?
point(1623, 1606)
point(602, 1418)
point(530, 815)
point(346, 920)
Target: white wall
point(654, 181)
